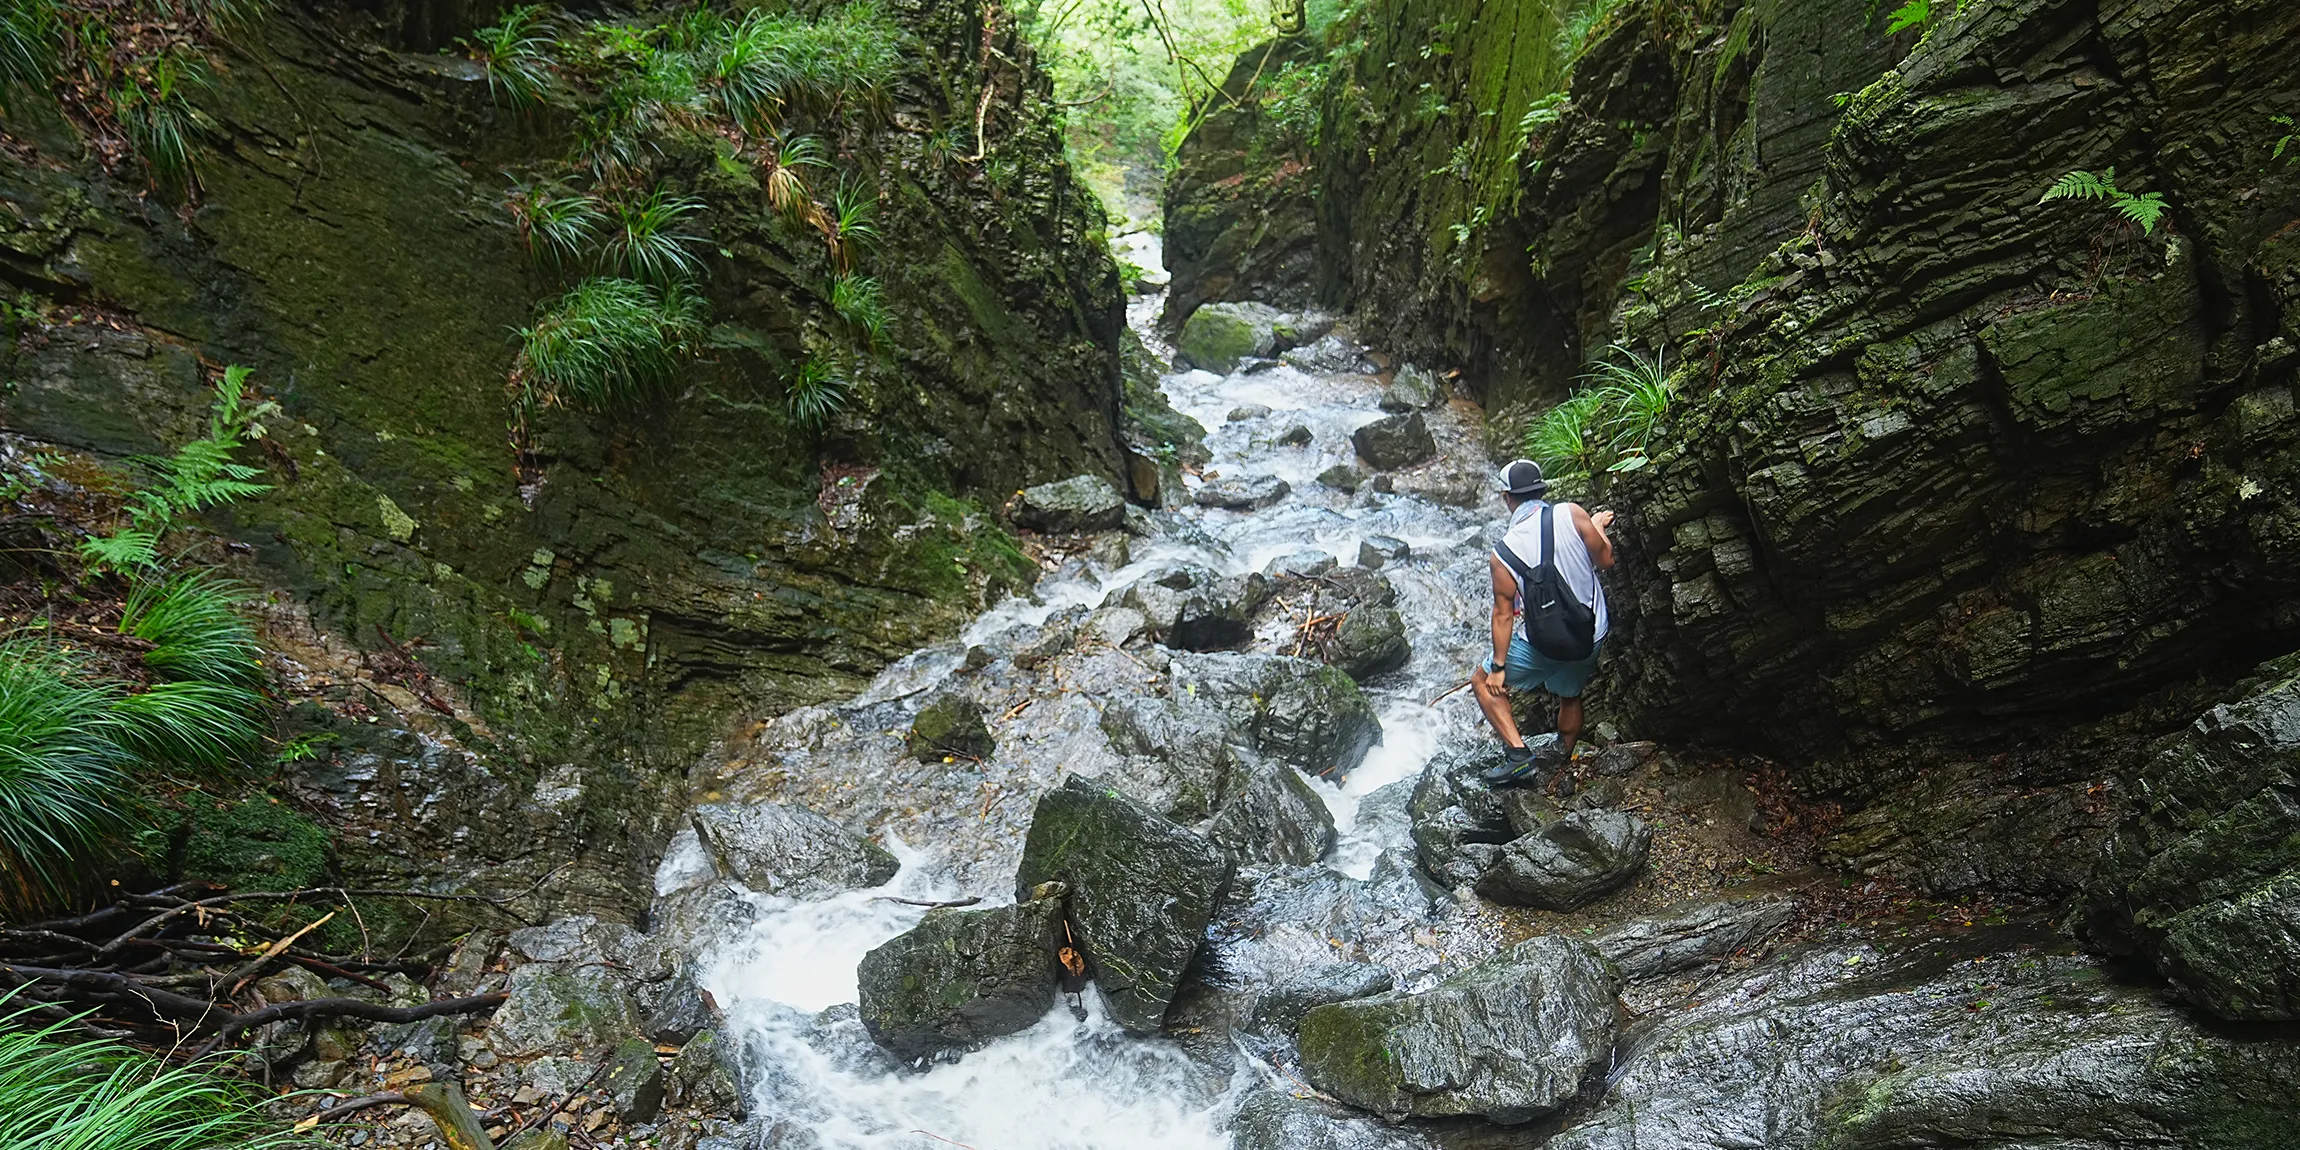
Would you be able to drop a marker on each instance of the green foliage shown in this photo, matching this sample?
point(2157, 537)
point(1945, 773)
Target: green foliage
point(853, 225)
point(516, 52)
point(1290, 99)
point(2145, 209)
point(1577, 29)
point(607, 343)
point(62, 772)
point(199, 475)
point(857, 300)
point(31, 34)
point(561, 226)
point(817, 391)
point(155, 113)
point(193, 622)
point(1539, 118)
point(644, 241)
point(2284, 144)
point(256, 844)
point(1909, 15)
point(67, 1092)
point(1606, 428)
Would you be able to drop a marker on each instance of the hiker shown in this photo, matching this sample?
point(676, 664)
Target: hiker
point(1556, 648)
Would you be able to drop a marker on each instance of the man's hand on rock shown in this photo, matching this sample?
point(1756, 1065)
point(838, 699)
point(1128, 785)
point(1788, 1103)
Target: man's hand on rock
point(1603, 519)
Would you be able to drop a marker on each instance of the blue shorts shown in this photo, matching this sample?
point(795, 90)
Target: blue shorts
point(1529, 669)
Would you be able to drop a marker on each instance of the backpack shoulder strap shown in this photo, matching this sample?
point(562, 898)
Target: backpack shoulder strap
point(1516, 567)
point(1548, 535)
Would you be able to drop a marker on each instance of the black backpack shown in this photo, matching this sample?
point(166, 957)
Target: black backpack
point(1561, 627)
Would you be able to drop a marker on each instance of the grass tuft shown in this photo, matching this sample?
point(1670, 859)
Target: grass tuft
point(860, 302)
point(517, 53)
point(608, 343)
point(62, 772)
point(60, 1090)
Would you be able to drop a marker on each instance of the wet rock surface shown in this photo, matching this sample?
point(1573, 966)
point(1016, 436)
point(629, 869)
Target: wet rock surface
point(1246, 493)
point(1292, 710)
point(1141, 890)
point(952, 724)
point(786, 850)
point(1395, 441)
point(1690, 936)
point(1272, 815)
point(962, 977)
point(1568, 861)
point(1079, 503)
point(2203, 879)
point(1507, 1040)
point(1368, 641)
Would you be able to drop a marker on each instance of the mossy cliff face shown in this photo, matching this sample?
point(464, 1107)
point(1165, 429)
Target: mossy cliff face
point(1949, 466)
point(610, 599)
point(1238, 218)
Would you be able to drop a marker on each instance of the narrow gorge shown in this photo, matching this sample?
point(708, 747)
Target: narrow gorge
point(875, 576)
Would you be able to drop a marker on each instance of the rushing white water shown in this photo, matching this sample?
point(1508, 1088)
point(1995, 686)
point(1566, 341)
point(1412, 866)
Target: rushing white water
point(1075, 1081)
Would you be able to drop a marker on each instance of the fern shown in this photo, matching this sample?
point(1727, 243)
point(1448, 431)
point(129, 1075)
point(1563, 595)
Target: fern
point(2145, 209)
point(2291, 133)
point(201, 474)
point(1907, 16)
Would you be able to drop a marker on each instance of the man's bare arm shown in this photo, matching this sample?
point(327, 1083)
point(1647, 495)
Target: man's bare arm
point(1592, 529)
point(1504, 614)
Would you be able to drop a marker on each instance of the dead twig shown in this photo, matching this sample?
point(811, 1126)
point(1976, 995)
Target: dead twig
point(969, 900)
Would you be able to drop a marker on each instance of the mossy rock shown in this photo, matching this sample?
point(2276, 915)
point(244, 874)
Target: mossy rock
point(951, 726)
point(258, 843)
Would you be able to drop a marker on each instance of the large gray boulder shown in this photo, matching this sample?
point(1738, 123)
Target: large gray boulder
point(962, 977)
point(1280, 1009)
point(952, 725)
point(1142, 889)
point(1243, 492)
point(788, 850)
point(1413, 389)
point(2202, 879)
point(1508, 1040)
point(1369, 641)
point(1459, 823)
point(1079, 503)
point(1292, 710)
point(1273, 816)
point(1395, 441)
point(1571, 861)
point(581, 987)
point(1177, 752)
point(1276, 1120)
point(1197, 610)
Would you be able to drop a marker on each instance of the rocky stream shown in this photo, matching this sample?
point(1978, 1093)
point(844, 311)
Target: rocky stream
point(1299, 917)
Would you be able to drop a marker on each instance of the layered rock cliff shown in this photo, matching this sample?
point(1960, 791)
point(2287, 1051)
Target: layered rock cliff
point(607, 592)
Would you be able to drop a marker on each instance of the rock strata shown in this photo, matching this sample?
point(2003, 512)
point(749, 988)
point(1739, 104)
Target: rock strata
point(789, 851)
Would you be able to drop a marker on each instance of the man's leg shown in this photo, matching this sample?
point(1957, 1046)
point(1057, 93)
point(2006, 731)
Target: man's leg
point(1496, 708)
point(1568, 725)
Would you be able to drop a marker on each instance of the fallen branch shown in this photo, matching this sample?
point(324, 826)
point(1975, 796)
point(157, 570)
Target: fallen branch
point(204, 905)
point(360, 1008)
point(240, 977)
point(969, 900)
point(1454, 690)
point(350, 1106)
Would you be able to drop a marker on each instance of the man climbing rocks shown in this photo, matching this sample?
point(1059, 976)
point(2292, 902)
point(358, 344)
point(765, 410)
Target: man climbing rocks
point(1566, 627)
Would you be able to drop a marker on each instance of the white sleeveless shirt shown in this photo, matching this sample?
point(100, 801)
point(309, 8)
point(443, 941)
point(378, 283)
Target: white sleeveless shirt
point(1523, 535)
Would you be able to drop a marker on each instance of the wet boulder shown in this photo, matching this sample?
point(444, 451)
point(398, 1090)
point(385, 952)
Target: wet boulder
point(1328, 354)
point(1292, 710)
point(1079, 503)
point(1413, 389)
point(2202, 878)
point(1243, 493)
point(1276, 1120)
point(1295, 566)
point(1273, 816)
point(951, 725)
point(1378, 551)
point(1508, 1040)
point(1688, 936)
point(1395, 441)
point(1219, 336)
point(1197, 610)
point(1299, 435)
point(789, 850)
point(1369, 641)
point(1142, 889)
point(1343, 477)
point(1177, 752)
point(1280, 1009)
point(1459, 823)
point(962, 977)
point(582, 987)
point(1248, 411)
point(1571, 861)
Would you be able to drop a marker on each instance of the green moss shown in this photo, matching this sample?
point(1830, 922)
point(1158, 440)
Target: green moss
point(256, 844)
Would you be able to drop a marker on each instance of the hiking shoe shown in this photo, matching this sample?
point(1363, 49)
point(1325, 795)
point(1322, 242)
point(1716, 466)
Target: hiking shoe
point(1517, 765)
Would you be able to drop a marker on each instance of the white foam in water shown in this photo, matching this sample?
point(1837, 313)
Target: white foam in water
point(1064, 1084)
point(1409, 737)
